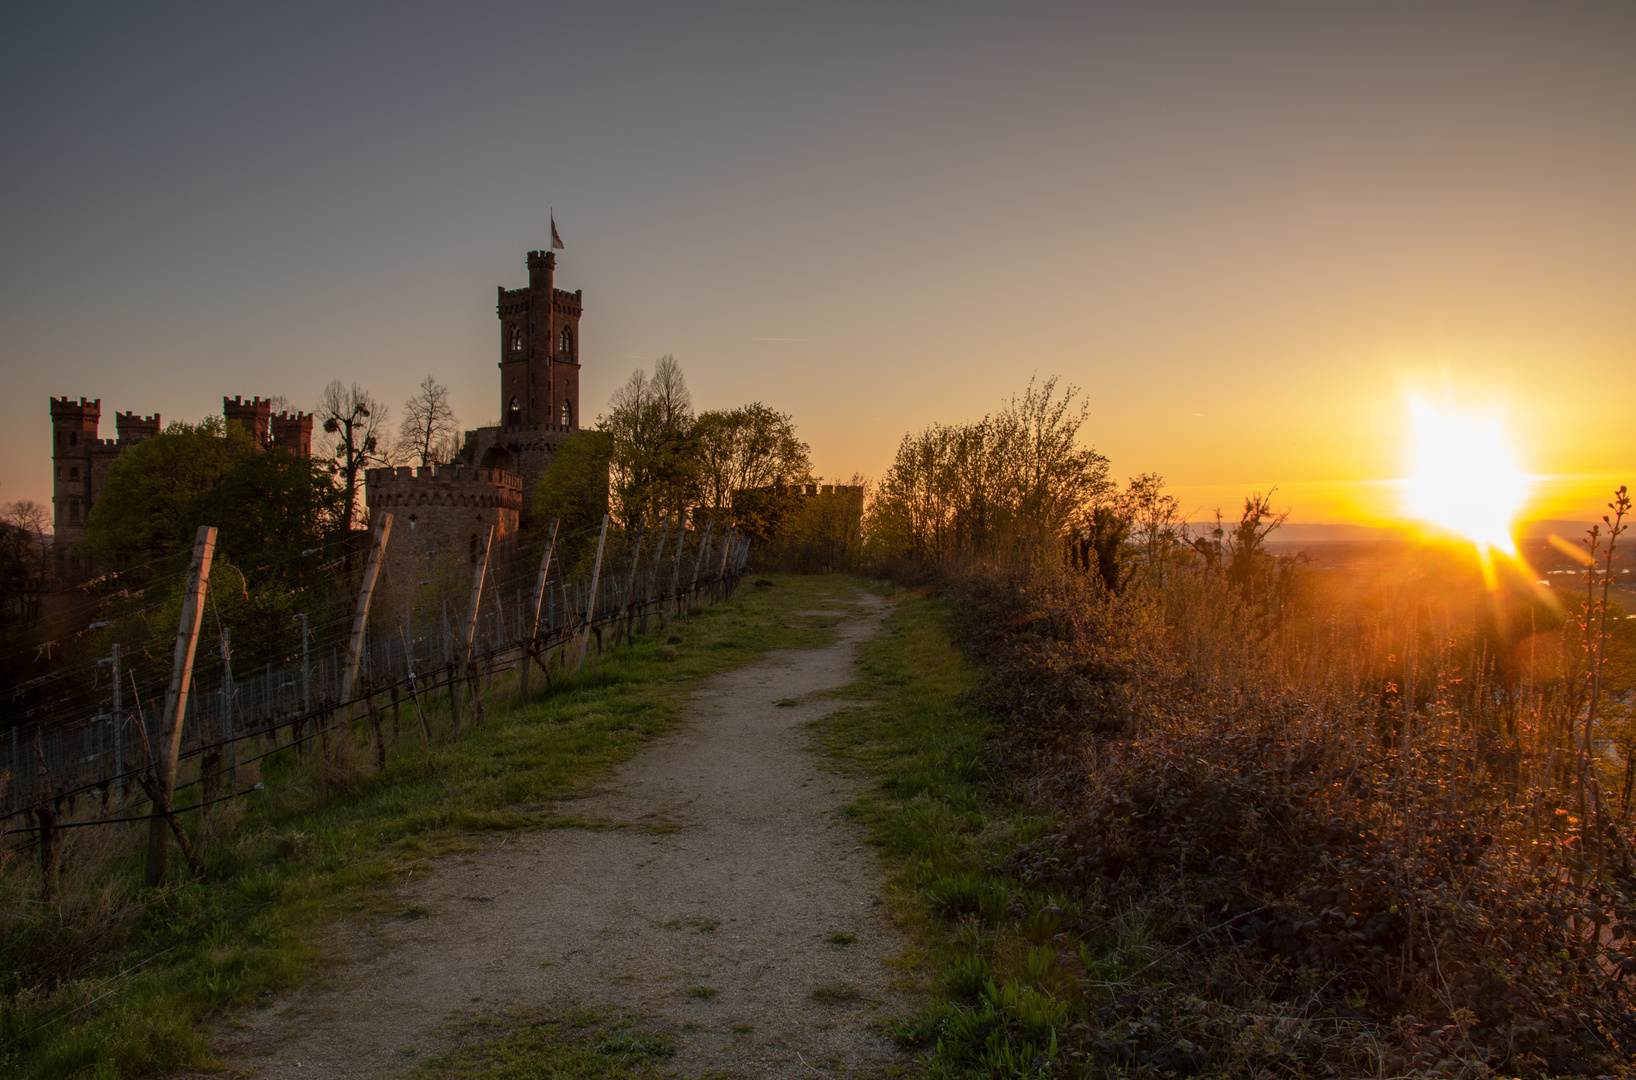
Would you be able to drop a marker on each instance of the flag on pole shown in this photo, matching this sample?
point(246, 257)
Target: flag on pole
point(556, 241)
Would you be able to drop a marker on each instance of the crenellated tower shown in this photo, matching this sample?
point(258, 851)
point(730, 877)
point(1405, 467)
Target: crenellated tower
point(540, 355)
point(539, 350)
point(255, 416)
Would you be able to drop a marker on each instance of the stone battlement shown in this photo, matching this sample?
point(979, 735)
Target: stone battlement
point(134, 427)
point(68, 407)
point(442, 485)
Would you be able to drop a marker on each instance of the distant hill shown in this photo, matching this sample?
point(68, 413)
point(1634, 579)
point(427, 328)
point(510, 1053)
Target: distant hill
point(1296, 533)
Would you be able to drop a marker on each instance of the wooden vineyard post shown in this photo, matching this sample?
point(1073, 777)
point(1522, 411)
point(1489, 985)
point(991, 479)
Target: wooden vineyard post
point(675, 577)
point(658, 570)
point(477, 576)
point(590, 599)
point(704, 549)
point(119, 735)
point(181, 677)
point(531, 621)
point(630, 583)
point(462, 673)
point(721, 571)
point(360, 612)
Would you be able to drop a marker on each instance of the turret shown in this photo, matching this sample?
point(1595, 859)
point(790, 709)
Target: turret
point(254, 415)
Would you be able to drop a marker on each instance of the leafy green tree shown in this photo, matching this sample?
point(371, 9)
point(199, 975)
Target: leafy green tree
point(751, 465)
point(574, 489)
point(1014, 484)
point(270, 510)
point(150, 485)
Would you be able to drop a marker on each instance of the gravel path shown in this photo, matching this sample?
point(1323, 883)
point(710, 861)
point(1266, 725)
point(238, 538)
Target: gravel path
point(724, 867)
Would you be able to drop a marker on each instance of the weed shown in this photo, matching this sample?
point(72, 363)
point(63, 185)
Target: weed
point(705, 992)
point(839, 938)
point(836, 993)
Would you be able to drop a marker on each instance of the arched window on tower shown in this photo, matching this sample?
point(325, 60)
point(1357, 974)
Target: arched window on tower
point(567, 415)
point(515, 344)
point(565, 344)
point(515, 414)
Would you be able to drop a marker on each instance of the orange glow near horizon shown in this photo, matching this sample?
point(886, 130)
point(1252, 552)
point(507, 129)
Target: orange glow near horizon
point(1464, 477)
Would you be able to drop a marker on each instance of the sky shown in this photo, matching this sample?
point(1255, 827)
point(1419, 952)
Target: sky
point(1247, 232)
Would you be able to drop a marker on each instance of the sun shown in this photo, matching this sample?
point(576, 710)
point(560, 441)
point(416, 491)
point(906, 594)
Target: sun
point(1463, 476)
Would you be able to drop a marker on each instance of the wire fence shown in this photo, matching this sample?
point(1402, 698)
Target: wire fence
point(273, 691)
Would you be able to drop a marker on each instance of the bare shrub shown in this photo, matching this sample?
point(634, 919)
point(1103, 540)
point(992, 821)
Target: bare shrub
point(1353, 806)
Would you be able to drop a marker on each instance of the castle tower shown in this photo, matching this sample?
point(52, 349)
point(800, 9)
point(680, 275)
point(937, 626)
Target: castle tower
point(73, 434)
point(292, 433)
point(539, 376)
point(539, 350)
point(255, 416)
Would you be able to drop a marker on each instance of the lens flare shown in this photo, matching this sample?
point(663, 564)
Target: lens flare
point(1463, 477)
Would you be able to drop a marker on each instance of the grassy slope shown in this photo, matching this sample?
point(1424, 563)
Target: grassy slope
point(1008, 968)
point(283, 864)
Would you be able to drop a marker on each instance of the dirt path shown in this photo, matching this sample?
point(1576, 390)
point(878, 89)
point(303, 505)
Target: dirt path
point(726, 869)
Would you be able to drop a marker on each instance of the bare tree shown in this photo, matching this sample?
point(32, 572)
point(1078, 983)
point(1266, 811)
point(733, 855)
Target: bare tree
point(650, 422)
point(356, 420)
point(430, 431)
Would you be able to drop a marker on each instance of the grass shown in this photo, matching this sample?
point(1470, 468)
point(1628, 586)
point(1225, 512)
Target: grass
point(521, 1045)
point(1000, 964)
point(111, 979)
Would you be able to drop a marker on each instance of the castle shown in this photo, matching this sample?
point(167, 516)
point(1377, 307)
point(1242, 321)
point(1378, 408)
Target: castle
point(80, 459)
point(448, 508)
point(440, 508)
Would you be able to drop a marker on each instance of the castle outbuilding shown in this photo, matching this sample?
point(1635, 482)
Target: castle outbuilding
point(80, 459)
point(440, 509)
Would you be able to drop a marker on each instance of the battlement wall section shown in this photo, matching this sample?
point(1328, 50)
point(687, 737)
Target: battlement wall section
point(440, 513)
point(133, 427)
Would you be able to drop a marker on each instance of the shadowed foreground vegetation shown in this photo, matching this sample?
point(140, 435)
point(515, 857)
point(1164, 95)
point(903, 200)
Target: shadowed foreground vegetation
point(108, 978)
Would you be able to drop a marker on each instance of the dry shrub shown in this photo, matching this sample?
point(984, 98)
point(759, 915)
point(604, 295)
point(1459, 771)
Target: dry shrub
point(1348, 807)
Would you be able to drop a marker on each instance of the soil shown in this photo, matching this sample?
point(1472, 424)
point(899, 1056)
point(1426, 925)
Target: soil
point(715, 860)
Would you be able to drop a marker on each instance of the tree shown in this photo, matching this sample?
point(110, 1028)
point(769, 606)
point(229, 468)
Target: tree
point(574, 490)
point(23, 565)
point(356, 420)
point(135, 519)
point(1017, 483)
point(270, 509)
point(751, 446)
point(650, 429)
point(1155, 518)
point(430, 432)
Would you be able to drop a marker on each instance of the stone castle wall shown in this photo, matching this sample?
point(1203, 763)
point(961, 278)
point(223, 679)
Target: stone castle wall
point(440, 510)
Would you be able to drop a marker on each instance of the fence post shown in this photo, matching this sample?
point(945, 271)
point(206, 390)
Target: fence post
point(360, 613)
point(477, 578)
point(181, 675)
point(630, 584)
point(704, 549)
point(675, 576)
point(532, 622)
point(230, 690)
point(727, 545)
point(590, 596)
point(658, 588)
point(119, 732)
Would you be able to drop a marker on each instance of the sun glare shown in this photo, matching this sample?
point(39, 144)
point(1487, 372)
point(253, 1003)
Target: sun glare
point(1463, 477)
